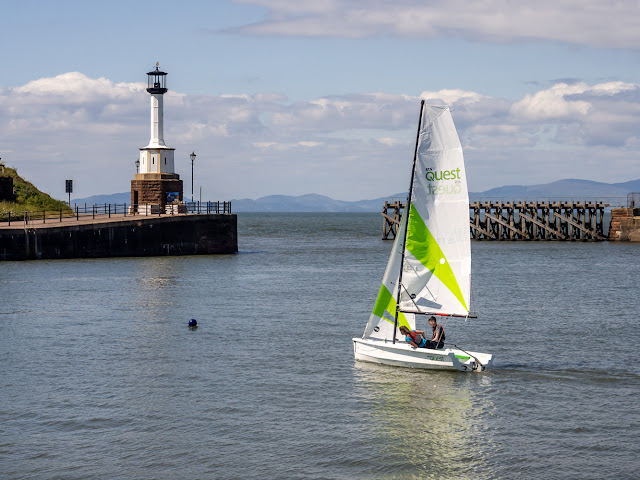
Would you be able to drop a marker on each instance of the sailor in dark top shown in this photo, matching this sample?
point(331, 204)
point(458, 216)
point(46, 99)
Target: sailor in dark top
point(438, 336)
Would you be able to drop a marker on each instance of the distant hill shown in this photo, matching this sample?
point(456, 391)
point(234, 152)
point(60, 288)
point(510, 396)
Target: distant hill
point(320, 203)
point(272, 203)
point(305, 203)
point(124, 197)
point(563, 188)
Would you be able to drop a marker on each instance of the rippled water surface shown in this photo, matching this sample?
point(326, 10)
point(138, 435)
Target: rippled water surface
point(101, 378)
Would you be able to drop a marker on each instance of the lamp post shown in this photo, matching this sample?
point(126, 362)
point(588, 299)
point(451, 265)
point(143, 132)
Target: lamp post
point(138, 166)
point(193, 159)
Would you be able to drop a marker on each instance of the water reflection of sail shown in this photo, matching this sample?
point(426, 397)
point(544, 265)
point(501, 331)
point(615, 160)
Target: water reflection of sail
point(426, 424)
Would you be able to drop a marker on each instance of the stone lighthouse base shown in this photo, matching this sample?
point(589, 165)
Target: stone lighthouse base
point(151, 189)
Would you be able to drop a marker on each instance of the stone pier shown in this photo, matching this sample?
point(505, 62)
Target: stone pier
point(625, 225)
point(194, 234)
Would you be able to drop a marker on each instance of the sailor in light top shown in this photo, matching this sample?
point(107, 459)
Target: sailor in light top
point(415, 338)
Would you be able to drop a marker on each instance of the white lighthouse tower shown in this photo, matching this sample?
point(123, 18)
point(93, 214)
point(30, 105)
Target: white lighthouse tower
point(156, 157)
point(157, 178)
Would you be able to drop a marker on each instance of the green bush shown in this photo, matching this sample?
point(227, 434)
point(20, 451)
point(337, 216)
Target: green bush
point(29, 198)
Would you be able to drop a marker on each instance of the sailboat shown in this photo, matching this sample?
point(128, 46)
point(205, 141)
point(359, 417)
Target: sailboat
point(429, 268)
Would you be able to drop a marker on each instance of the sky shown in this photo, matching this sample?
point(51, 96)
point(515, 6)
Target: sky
point(290, 97)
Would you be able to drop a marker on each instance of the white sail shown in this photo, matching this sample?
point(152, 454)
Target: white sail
point(382, 319)
point(437, 253)
point(438, 248)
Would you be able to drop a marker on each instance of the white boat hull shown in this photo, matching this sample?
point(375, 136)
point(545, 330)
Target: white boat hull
point(401, 354)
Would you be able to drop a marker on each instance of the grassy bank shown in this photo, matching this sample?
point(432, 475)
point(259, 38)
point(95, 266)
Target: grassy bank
point(29, 198)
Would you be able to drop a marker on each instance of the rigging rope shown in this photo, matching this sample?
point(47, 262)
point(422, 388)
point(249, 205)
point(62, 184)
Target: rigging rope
point(473, 300)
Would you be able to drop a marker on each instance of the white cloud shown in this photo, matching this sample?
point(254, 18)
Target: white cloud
point(582, 22)
point(72, 126)
point(281, 147)
point(390, 141)
point(553, 103)
point(77, 88)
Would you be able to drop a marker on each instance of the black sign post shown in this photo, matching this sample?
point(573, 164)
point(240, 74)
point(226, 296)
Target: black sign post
point(69, 189)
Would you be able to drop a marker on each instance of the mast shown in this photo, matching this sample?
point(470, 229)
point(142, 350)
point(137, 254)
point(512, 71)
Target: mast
point(406, 229)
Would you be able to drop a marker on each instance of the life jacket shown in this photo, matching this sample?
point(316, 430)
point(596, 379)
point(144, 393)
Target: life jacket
point(442, 335)
point(417, 338)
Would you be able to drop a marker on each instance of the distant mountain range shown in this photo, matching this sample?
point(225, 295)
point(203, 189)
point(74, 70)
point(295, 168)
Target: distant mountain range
point(563, 188)
point(320, 203)
point(124, 197)
point(306, 203)
point(272, 203)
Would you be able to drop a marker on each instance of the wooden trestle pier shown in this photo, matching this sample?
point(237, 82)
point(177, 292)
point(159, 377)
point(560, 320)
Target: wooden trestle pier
point(567, 220)
point(390, 223)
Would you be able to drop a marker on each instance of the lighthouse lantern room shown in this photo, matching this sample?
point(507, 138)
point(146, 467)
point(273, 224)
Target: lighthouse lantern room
point(157, 176)
point(157, 81)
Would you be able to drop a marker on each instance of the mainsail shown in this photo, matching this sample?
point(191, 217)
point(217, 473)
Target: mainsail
point(432, 246)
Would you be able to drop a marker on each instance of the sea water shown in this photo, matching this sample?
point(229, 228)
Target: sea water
point(100, 377)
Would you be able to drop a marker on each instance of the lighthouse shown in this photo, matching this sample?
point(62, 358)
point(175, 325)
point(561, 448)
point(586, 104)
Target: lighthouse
point(156, 180)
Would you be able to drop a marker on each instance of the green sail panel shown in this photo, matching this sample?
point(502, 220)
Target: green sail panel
point(386, 302)
point(424, 247)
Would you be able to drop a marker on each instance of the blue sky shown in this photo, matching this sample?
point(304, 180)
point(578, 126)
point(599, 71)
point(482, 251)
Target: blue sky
point(279, 97)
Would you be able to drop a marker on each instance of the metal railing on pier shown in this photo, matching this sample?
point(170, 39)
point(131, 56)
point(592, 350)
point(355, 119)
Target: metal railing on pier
point(612, 202)
point(85, 212)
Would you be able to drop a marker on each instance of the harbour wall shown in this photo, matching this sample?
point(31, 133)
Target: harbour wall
point(199, 234)
point(625, 225)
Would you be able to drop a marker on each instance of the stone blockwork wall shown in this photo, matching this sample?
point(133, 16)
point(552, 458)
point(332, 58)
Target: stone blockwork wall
point(139, 237)
point(625, 225)
point(154, 191)
point(6, 189)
